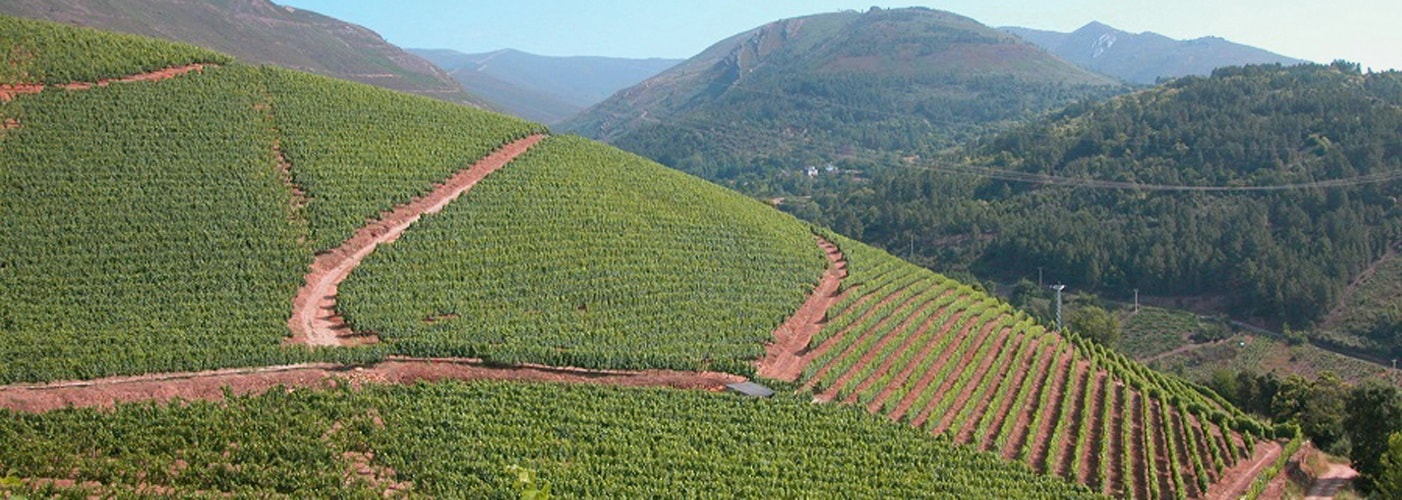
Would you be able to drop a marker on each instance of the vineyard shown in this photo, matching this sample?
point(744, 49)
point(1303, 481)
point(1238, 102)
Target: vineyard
point(37, 52)
point(165, 226)
point(925, 350)
point(578, 254)
point(148, 226)
point(457, 440)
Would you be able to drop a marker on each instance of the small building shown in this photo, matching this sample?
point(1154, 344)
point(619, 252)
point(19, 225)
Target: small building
point(750, 389)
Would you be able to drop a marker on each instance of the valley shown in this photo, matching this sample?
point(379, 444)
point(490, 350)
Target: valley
point(223, 277)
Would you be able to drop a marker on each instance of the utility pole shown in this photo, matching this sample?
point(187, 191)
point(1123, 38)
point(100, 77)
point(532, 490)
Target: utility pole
point(1039, 277)
point(1058, 287)
point(1136, 300)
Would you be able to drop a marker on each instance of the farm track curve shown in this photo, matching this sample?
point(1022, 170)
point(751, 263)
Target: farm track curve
point(314, 320)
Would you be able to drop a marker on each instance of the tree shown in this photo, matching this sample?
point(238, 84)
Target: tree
point(1389, 481)
point(1096, 324)
point(1374, 414)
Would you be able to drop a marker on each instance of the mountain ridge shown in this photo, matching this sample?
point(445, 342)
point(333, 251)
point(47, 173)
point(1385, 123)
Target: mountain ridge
point(262, 32)
point(1146, 57)
point(543, 88)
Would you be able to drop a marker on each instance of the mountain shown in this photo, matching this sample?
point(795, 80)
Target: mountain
point(809, 90)
point(1260, 191)
point(260, 32)
point(1147, 57)
point(166, 207)
point(543, 88)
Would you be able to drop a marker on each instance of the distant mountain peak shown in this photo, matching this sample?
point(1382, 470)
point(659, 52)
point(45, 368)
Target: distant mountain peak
point(1145, 57)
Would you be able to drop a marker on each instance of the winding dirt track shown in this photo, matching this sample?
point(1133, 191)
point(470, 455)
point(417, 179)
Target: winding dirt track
point(211, 385)
point(785, 358)
point(314, 320)
point(9, 91)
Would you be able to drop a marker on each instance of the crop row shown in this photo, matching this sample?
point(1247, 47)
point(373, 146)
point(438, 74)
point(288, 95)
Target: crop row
point(1089, 413)
point(582, 255)
point(458, 439)
point(51, 53)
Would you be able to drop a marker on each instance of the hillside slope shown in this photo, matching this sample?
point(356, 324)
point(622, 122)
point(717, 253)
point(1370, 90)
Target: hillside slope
point(169, 235)
point(1261, 190)
point(543, 88)
point(260, 32)
point(1146, 58)
point(803, 90)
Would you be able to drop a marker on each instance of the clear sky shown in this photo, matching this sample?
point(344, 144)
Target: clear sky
point(1364, 31)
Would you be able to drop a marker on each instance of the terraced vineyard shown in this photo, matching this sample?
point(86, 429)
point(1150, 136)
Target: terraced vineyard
point(925, 350)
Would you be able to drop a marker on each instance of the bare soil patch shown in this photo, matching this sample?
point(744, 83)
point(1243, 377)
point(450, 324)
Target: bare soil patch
point(213, 385)
point(9, 91)
point(851, 349)
point(783, 359)
point(314, 318)
point(1238, 478)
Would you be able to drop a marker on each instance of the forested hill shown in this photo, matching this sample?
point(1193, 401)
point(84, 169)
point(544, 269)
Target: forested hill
point(800, 91)
point(1283, 185)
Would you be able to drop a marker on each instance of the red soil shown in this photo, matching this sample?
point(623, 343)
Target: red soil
point(1052, 372)
point(856, 344)
point(967, 391)
point(965, 360)
point(910, 313)
point(1140, 466)
point(783, 359)
point(314, 319)
point(909, 369)
point(929, 376)
point(890, 361)
point(1068, 448)
point(1009, 378)
point(210, 386)
point(9, 91)
point(816, 352)
point(1090, 451)
point(1114, 468)
point(1067, 378)
point(1185, 461)
point(1238, 478)
point(1161, 463)
point(1041, 359)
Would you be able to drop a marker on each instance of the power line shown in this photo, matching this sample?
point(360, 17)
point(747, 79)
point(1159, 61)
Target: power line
point(727, 131)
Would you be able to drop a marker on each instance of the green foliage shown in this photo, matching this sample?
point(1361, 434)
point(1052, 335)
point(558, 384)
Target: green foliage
point(893, 308)
point(52, 53)
point(531, 487)
point(146, 230)
point(358, 150)
point(1284, 254)
point(1096, 324)
point(1389, 482)
point(1318, 406)
point(455, 440)
point(578, 254)
point(1374, 412)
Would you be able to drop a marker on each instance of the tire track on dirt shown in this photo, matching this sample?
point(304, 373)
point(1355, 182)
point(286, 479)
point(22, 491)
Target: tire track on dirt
point(784, 358)
point(215, 384)
point(314, 319)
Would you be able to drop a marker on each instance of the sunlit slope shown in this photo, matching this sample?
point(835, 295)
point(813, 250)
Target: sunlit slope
point(148, 226)
point(922, 349)
point(43, 52)
point(453, 440)
point(358, 150)
point(580, 254)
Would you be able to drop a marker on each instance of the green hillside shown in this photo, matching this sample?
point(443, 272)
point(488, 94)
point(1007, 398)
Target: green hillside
point(457, 440)
point(1278, 187)
point(258, 32)
point(580, 254)
point(158, 226)
point(812, 89)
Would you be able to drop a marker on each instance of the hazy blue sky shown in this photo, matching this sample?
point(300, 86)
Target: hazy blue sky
point(1364, 31)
